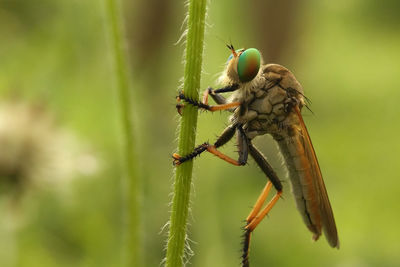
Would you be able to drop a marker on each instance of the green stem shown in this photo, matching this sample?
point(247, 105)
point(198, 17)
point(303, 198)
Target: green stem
point(132, 241)
point(187, 136)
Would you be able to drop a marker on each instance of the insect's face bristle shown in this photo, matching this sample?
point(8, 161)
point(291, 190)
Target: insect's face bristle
point(231, 69)
point(232, 63)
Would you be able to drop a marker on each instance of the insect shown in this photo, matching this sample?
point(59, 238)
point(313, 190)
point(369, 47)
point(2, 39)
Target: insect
point(267, 99)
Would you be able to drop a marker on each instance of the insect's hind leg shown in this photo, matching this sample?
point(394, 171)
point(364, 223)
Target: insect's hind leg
point(256, 216)
point(262, 162)
point(243, 145)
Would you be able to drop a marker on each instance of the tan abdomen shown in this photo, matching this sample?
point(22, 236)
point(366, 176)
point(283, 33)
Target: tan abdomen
point(301, 176)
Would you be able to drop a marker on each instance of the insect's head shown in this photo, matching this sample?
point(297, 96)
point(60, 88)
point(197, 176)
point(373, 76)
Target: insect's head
point(243, 64)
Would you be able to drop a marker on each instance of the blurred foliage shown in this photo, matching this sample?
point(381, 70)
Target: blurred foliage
point(346, 55)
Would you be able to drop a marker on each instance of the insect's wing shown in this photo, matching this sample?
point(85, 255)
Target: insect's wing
point(327, 218)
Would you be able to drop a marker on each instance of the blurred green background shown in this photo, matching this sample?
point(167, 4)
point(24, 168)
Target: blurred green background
point(55, 66)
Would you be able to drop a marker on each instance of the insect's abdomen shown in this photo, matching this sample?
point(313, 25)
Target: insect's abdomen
point(301, 176)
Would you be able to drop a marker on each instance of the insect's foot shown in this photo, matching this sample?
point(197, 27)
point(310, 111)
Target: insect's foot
point(190, 101)
point(179, 108)
point(180, 96)
point(177, 159)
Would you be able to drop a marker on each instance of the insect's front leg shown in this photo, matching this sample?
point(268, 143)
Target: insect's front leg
point(215, 94)
point(218, 98)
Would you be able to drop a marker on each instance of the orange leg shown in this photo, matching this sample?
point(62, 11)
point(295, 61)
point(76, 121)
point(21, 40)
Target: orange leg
point(256, 216)
point(212, 149)
point(218, 98)
point(222, 156)
point(260, 201)
point(203, 105)
point(205, 96)
point(226, 135)
point(224, 106)
point(218, 107)
point(216, 94)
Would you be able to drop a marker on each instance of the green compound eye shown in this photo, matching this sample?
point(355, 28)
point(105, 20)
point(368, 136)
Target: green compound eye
point(248, 64)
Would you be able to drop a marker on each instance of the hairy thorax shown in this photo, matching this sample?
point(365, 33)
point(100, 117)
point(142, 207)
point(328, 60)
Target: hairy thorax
point(267, 102)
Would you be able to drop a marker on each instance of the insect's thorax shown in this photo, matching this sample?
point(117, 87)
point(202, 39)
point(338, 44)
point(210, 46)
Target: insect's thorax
point(268, 102)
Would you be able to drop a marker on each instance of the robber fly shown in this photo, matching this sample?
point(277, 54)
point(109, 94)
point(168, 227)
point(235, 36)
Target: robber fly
point(267, 99)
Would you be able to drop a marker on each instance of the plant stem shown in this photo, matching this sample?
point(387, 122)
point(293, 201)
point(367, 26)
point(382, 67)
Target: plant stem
point(187, 135)
point(131, 241)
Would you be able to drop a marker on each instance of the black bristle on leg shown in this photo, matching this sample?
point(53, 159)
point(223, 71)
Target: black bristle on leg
point(197, 151)
point(246, 248)
point(193, 102)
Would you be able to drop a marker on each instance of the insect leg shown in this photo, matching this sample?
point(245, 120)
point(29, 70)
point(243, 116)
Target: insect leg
point(255, 216)
point(252, 224)
point(243, 145)
point(198, 104)
point(247, 234)
point(262, 162)
point(226, 135)
point(219, 99)
point(216, 94)
point(224, 106)
point(197, 151)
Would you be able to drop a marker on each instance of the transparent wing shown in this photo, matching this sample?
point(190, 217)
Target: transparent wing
point(327, 218)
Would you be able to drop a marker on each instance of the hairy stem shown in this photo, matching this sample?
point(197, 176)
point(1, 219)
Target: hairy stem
point(187, 135)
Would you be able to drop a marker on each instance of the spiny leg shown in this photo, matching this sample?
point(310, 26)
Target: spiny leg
point(256, 216)
point(246, 244)
point(201, 105)
point(178, 160)
point(226, 135)
point(215, 94)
